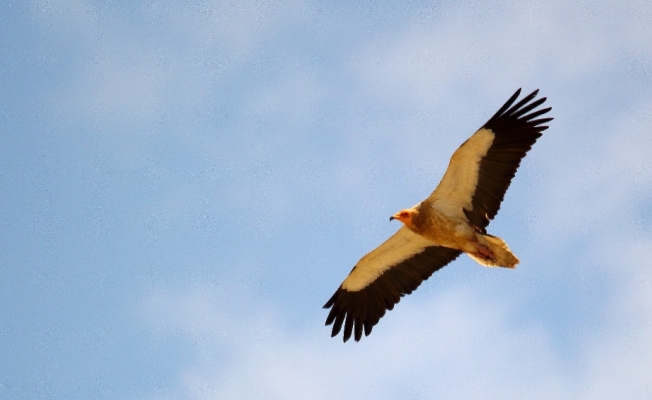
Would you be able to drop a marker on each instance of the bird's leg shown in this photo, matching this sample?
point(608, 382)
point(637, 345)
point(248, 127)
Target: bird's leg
point(485, 252)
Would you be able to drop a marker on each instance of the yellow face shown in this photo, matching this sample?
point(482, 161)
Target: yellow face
point(405, 216)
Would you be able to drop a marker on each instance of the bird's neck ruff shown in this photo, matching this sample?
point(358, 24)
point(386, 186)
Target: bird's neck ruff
point(419, 220)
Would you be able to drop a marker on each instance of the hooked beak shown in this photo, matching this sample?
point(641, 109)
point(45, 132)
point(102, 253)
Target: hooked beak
point(391, 218)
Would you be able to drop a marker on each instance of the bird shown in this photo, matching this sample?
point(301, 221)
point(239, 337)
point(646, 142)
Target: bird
point(449, 222)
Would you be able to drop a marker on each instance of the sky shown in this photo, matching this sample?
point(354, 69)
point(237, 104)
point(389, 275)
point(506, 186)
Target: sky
point(183, 185)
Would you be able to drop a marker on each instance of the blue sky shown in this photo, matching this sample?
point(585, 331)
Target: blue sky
point(184, 185)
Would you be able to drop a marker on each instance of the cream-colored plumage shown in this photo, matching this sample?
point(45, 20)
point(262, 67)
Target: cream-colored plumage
point(401, 245)
point(452, 220)
point(456, 188)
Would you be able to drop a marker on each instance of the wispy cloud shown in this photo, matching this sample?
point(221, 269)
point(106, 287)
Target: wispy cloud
point(270, 141)
point(460, 343)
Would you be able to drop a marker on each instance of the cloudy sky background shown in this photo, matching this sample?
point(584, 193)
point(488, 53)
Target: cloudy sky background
point(184, 185)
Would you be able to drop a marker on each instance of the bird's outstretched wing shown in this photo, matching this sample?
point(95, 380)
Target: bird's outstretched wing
point(473, 186)
point(381, 278)
point(481, 170)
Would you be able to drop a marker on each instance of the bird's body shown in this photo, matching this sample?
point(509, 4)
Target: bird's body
point(452, 220)
point(442, 227)
point(438, 222)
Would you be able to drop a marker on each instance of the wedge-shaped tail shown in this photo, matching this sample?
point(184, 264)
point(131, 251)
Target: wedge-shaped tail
point(504, 256)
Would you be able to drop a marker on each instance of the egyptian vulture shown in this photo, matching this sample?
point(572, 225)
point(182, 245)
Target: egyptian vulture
point(452, 220)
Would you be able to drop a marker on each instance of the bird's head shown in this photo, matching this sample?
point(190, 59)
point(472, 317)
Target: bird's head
point(405, 216)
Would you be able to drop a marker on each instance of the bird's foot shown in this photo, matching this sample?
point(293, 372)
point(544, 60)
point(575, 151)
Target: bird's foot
point(485, 252)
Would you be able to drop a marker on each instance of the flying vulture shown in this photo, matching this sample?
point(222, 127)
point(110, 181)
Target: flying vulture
point(452, 220)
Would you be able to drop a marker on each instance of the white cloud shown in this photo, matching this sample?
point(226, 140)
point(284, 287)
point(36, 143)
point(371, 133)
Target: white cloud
point(457, 344)
point(489, 47)
point(171, 63)
point(461, 344)
point(608, 183)
point(459, 350)
point(454, 345)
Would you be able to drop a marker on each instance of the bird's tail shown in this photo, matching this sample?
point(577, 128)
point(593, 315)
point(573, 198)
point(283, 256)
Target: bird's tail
point(503, 257)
